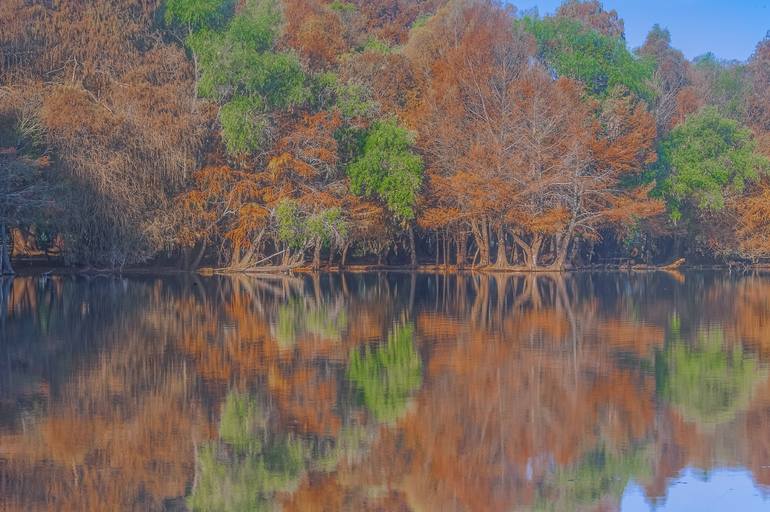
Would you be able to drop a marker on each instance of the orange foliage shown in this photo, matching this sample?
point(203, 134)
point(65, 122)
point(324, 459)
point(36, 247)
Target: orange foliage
point(592, 14)
point(758, 108)
point(315, 31)
point(753, 216)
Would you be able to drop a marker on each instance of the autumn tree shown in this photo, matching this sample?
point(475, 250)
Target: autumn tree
point(290, 205)
point(753, 221)
point(525, 158)
point(602, 189)
point(671, 77)
point(721, 84)
point(22, 189)
point(390, 20)
point(465, 118)
point(592, 14)
point(115, 114)
point(753, 232)
point(758, 94)
point(26, 185)
point(318, 31)
point(283, 159)
point(178, 129)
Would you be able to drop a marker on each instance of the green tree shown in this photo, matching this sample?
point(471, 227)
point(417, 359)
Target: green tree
point(238, 66)
point(388, 169)
point(290, 228)
point(704, 159)
point(301, 229)
point(722, 84)
point(244, 125)
point(325, 227)
point(197, 14)
point(599, 61)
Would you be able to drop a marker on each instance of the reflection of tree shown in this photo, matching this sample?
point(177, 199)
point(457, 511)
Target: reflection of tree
point(244, 469)
point(522, 390)
point(708, 382)
point(505, 406)
point(300, 318)
point(110, 396)
point(599, 476)
point(388, 374)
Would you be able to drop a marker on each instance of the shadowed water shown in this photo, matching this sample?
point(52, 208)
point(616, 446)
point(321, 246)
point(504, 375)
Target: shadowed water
point(386, 392)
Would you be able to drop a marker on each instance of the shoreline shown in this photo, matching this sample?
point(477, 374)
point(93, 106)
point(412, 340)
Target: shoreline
point(37, 271)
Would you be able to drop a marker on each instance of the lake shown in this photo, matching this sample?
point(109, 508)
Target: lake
point(386, 391)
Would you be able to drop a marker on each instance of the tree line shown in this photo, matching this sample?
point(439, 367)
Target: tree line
point(281, 133)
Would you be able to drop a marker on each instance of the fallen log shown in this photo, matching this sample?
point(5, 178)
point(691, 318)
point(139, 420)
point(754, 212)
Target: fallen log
point(669, 266)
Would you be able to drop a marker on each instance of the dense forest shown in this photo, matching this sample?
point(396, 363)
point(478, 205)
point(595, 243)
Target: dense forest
point(282, 133)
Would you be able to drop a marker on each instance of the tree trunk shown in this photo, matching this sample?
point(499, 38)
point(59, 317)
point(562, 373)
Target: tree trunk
point(412, 248)
point(184, 258)
point(486, 257)
point(235, 257)
point(331, 255)
point(515, 254)
point(317, 255)
point(247, 259)
point(198, 257)
point(445, 243)
point(5, 253)
point(462, 247)
point(190, 260)
point(677, 247)
point(286, 257)
point(379, 259)
point(481, 235)
point(438, 247)
point(344, 257)
point(531, 251)
point(537, 241)
point(502, 257)
point(562, 246)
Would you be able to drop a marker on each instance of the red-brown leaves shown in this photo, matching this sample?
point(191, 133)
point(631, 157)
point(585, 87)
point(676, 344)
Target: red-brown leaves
point(315, 31)
point(309, 147)
point(753, 216)
point(625, 141)
point(592, 14)
point(758, 104)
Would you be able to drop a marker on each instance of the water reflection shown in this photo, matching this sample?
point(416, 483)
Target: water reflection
point(382, 391)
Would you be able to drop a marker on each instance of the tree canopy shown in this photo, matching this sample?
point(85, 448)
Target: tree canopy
point(388, 169)
point(705, 159)
point(237, 134)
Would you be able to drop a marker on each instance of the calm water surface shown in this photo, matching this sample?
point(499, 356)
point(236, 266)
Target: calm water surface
point(386, 392)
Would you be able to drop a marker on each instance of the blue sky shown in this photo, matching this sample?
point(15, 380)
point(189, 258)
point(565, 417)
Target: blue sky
point(729, 28)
